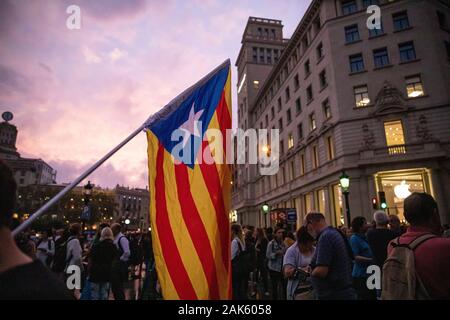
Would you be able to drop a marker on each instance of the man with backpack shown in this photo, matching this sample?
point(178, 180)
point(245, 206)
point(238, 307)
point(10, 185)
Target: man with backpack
point(418, 262)
point(120, 267)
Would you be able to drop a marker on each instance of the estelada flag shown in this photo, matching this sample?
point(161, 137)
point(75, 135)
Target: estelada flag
point(190, 199)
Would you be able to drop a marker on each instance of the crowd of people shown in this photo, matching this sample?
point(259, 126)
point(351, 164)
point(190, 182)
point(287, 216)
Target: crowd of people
point(326, 263)
point(317, 262)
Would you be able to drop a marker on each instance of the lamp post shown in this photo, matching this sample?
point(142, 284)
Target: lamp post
point(85, 215)
point(344, 180)
point(265, 209)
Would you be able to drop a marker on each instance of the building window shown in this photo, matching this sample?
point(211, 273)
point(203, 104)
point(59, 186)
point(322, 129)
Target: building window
point(361, 96)
point(281, 147)
point(326, 109)
point(288, 115)
point(312, 122)
point(290, 141)
point(330, 148)
point(349, 6)
point(356, 63)
point(367, 3)
point(255, 55)
point(267, 121)
point(395, 139)
point(256, 84)
point(309, 93)
point(317, 24)
point(279, 104)
point(276, 55)
point(442, 20)
point(269, 56)
point(300, 131)
point(414, 86)
point(351, 33)
point(302, 164)
point(315, 157)
point(401, 21)
point(305, 43)
point(288, 94)
point(280, 124)
point(376, 32)
point(319, 51)
point(296, 82)
point(292, 170)
point(272, 113)
point(407, 51)
point(307, 66)
point(323, 79)
point(262, 52)
point(298, 106)
point(381, 57)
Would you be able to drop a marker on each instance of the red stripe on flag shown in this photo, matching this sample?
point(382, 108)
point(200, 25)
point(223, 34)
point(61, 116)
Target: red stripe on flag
point(169, 248)
point(212, 181)
point(224, 119)
point(197, 230)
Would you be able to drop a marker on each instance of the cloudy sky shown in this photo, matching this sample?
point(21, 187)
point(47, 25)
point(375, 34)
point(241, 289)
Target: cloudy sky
point(76, 93)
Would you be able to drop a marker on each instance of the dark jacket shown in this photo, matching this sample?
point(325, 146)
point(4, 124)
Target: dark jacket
point(101, 259)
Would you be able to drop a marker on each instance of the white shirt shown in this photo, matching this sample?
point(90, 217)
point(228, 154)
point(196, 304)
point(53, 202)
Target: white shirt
point(124, 245)
point(44, 249)
point(74, 252)
point(235, 247)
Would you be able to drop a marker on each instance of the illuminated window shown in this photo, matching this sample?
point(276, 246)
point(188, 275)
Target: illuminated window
point(290, 141)
point(414, 87)
point(312, 122)
point(361, 96)
point(395, 139)
point(256, 84)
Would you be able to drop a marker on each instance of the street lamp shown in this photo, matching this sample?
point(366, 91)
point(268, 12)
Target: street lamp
point(344, 180)
point(85, 215)
point(265, 209)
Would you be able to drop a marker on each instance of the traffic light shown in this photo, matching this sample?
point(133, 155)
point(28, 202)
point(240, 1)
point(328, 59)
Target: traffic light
point(375, 203)
point(383, 203)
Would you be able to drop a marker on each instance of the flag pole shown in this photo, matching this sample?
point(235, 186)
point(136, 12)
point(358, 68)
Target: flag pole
point(69, 187)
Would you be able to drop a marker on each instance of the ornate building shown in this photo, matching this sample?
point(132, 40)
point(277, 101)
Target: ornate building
point(372, 103)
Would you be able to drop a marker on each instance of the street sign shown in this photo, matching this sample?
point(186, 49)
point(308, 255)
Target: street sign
point(291, 215)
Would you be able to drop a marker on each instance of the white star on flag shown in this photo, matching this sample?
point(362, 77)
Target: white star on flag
point(190, 127)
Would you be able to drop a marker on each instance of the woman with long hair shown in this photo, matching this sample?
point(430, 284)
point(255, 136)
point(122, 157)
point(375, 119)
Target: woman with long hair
point(261, 261)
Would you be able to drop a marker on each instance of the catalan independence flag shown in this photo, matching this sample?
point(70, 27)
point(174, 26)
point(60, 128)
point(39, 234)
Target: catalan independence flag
point(190, 200)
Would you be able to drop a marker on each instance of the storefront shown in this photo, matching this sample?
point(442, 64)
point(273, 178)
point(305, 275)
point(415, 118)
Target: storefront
point(398, 185)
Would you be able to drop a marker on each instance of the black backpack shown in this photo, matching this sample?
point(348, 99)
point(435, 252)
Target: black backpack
point(59, 259)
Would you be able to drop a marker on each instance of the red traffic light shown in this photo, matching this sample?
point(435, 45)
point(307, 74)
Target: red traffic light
point(375, 203)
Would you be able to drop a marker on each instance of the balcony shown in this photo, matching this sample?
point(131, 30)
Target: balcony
point(406, 152)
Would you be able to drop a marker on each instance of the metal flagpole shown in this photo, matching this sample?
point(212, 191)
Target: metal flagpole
point(56, 198)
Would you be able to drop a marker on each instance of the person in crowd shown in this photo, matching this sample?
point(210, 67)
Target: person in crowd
point(395, 225)
point(296, 267)
point(289, 239)
point(73, 247)
point(21, 278)
point(101, 259)
point(363, 258)
point(379, 237)
point(26, 244)
point(269, 233)
point(120, 266)
point(261, 261)
point(275, 252)
point(45, 249)
point(238, 265)
point(251, 261)
point(432, 256)
point(331, 264)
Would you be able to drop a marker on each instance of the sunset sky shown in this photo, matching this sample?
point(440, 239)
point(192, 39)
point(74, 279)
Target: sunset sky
point(75, 94)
